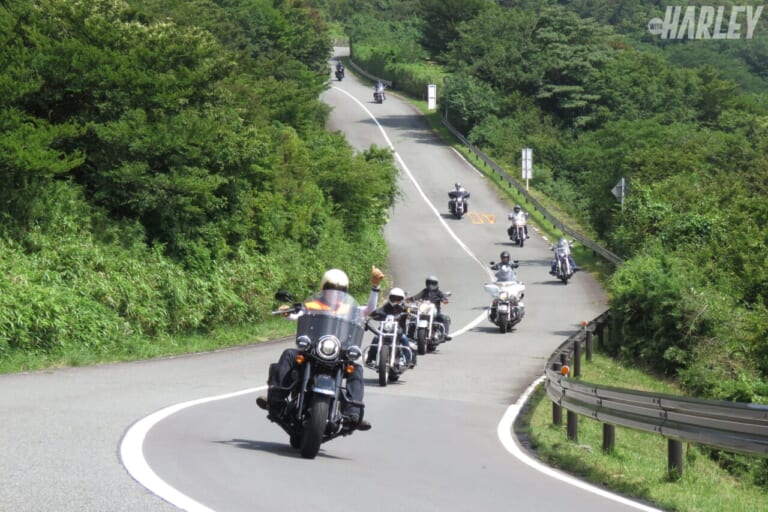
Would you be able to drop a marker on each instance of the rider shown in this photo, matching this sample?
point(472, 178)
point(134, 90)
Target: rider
point(565, 246)
point(394, 306)
point(282, 372)
point(340, 68)
point(380, 89)
point(505, 269)
point(434, 294)
point(458, 191)
point(518, 214)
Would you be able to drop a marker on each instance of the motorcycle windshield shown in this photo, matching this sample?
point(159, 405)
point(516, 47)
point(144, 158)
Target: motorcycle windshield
point(506, 274)
point(332, 312)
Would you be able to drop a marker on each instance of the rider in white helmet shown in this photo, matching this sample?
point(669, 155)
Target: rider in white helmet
point(333, 282)
point(394, 306)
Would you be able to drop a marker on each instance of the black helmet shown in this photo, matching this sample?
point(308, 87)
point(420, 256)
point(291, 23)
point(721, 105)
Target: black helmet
point(517, 208)
point(504, 257)
point(431, 283)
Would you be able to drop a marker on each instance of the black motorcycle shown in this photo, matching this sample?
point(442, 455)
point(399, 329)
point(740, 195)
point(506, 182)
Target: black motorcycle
point(339, 73)
point(458, 203)
point(388, 356)
point(328, 338)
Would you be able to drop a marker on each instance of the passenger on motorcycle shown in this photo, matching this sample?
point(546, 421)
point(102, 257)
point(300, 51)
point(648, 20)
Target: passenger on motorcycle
point(394, 306)
point(285, 371)
point(518, 213)
point(434, 294)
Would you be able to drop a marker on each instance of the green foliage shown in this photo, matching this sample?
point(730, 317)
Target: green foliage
point(166, 169)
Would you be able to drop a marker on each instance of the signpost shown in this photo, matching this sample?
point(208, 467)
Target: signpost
point(620, 190)
point(431, 97)
point(527, 165)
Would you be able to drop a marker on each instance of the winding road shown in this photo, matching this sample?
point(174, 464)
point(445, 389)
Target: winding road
point(185, 432)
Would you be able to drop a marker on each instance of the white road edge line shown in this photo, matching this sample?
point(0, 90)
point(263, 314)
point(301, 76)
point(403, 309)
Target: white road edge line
point(131, 447)
point(132, 453)
point(504, 431)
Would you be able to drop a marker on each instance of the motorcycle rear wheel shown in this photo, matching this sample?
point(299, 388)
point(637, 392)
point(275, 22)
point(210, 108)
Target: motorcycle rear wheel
point(314, 428)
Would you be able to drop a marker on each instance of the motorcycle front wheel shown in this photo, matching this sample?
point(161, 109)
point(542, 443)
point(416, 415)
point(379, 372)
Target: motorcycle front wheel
point(421, 340)
point(383, 360)
point(314, 428)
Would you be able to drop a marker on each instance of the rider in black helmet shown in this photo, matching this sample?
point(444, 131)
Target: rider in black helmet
point(433, 293)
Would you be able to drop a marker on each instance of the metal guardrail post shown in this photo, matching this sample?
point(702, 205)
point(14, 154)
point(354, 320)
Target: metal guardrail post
point(609, 437)
point(573, 426)
point(557, 411)
point(576, 358)
point(588, 343)
point(674, 459)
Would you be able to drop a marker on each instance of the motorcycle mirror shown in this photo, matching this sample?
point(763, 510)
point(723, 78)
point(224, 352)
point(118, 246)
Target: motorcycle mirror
point(493, 263)
point(284, 296)
point(522, 295)
point(447, 294)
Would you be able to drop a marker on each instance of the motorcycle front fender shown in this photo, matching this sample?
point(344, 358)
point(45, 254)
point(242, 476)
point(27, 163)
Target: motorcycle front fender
point(324, 385)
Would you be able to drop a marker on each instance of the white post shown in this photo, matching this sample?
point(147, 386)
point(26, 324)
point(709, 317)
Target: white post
point(527, 165)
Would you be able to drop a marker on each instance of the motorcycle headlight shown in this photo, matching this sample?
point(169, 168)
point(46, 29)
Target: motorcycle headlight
point(503, 295)
point(328, 347)
point(389, 327)
point(303, 342)
point(354, 353)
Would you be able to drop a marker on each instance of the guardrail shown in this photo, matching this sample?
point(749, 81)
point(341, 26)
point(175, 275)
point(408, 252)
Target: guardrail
point(730, 426)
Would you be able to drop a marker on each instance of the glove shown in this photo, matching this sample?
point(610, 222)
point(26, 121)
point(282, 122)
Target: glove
point(376, 276)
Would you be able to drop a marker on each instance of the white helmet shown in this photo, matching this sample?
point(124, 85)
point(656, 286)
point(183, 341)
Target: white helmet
point(335, 279)
point(396, 296)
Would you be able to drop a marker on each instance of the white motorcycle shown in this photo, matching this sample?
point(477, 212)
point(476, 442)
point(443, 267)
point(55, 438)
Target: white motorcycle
point(507, 308)
point(563, 269)
point(422, 325)
point(392, 358)
point(516, 230)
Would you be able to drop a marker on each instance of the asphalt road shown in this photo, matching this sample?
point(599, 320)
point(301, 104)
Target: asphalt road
point(186, 429)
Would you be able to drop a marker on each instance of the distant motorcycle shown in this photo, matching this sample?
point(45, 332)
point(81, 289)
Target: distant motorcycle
point(329, 344)
point(422, 326)
point(392, 357)
point(507, 309)
point(516, 230)
point(457, 204)
point(339, 73)
point(563, 267)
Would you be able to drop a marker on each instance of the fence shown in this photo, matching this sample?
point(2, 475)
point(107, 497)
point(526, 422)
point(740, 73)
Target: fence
point(729, 426)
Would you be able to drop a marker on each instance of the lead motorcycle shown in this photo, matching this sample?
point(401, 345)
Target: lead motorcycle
point(507, 308)
point(339, 73)
point(392, 358)
point(422, 325)
point(328, 343)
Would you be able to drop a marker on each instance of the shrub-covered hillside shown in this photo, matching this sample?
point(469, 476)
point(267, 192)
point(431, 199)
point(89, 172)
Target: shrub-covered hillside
point(165, 169)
